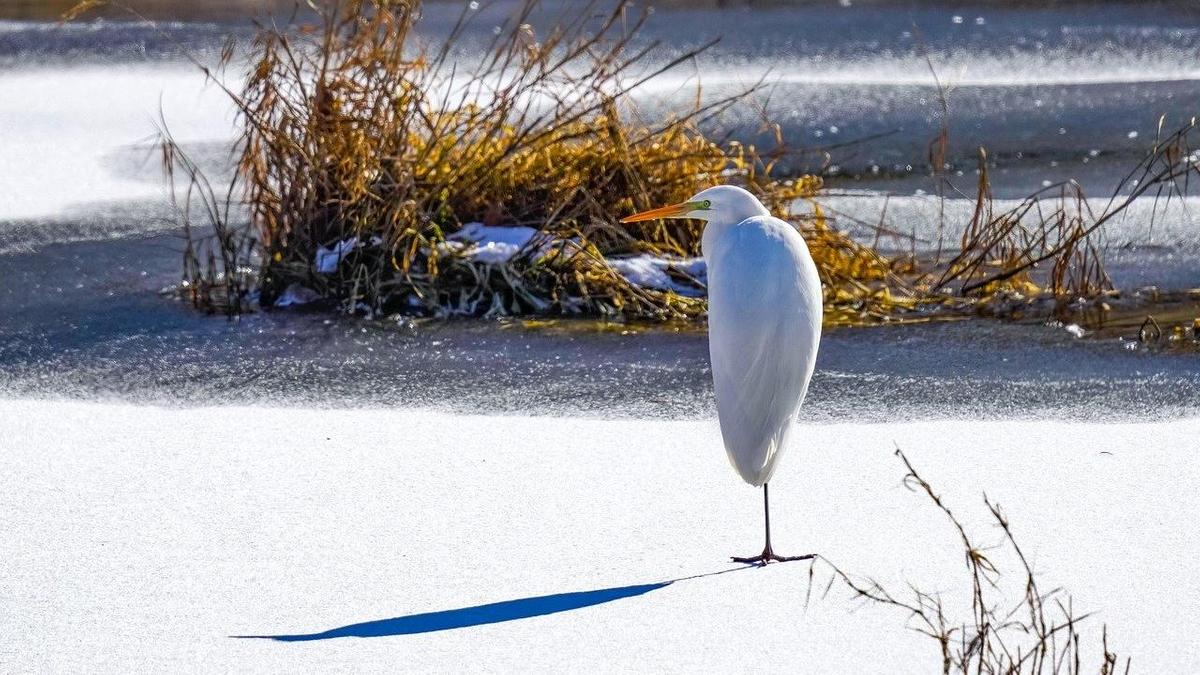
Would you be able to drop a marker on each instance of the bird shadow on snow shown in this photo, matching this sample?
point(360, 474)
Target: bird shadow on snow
point(496, 612)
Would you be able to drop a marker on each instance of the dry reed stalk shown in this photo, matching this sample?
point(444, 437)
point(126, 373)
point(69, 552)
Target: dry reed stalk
point(1035, 635)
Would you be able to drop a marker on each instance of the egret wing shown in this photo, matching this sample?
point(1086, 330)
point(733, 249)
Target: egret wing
point(764, 328)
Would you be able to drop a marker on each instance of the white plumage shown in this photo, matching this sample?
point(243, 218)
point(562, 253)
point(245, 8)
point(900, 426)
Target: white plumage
point(764, 327)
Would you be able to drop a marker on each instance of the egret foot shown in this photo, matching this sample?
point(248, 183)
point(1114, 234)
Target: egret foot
point(768, 556)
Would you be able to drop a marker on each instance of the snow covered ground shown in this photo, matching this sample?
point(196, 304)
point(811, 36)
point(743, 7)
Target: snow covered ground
point(143, 538)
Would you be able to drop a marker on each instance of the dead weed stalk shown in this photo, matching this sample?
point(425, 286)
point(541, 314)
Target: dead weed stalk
point(1039, 633)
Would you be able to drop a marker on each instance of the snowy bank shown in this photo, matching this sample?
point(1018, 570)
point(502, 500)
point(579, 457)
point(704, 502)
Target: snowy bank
point(650, 271)
point(492, 245)
point(142, 538)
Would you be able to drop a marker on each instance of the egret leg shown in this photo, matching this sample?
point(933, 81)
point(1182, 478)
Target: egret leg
point(769, 555)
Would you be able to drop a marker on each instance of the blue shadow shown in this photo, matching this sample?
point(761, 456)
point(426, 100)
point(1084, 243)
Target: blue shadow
point(464, 617)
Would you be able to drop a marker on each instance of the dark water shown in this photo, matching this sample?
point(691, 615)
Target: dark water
point(86, 244)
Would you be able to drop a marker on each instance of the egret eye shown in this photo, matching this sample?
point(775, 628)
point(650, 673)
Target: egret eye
point(705, 204)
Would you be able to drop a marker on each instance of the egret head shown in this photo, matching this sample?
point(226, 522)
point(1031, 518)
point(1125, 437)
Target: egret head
point(720, 203)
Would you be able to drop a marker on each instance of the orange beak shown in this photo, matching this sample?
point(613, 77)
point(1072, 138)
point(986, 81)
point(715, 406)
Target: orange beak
point(672, 211)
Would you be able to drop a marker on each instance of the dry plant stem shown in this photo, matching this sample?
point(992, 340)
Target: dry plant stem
point(1066, 234)
point(938, 147)
point(993, 641)
point(214, 276)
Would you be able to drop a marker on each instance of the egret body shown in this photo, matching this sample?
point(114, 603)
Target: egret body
point(764, 326)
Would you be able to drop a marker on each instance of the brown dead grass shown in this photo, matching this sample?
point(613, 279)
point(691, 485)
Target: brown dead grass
point(355, 129)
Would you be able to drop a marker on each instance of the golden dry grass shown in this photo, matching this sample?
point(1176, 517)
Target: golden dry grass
point(356, 129)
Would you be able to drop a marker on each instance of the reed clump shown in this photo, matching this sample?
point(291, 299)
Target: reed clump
point(368, 154)
point(1048, 250)
point(364, 142)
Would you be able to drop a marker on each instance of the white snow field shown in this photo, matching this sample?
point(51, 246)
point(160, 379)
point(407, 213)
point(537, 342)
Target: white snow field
point(139, 539)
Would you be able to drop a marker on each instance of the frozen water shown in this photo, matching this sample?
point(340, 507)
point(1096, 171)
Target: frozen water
point(142, 538)
point(79, 135)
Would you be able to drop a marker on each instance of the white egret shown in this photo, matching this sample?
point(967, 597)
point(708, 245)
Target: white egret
point(764, 325)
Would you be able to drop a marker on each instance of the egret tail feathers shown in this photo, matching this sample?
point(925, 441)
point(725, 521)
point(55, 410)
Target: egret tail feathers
point(758, 472)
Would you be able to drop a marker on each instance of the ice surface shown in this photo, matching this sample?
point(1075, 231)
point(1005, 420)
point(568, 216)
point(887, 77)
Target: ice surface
point(142, 538)
point(63, 128)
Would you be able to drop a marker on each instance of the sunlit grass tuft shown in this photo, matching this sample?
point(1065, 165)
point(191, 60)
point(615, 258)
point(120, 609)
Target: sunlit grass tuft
point(357, 133)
